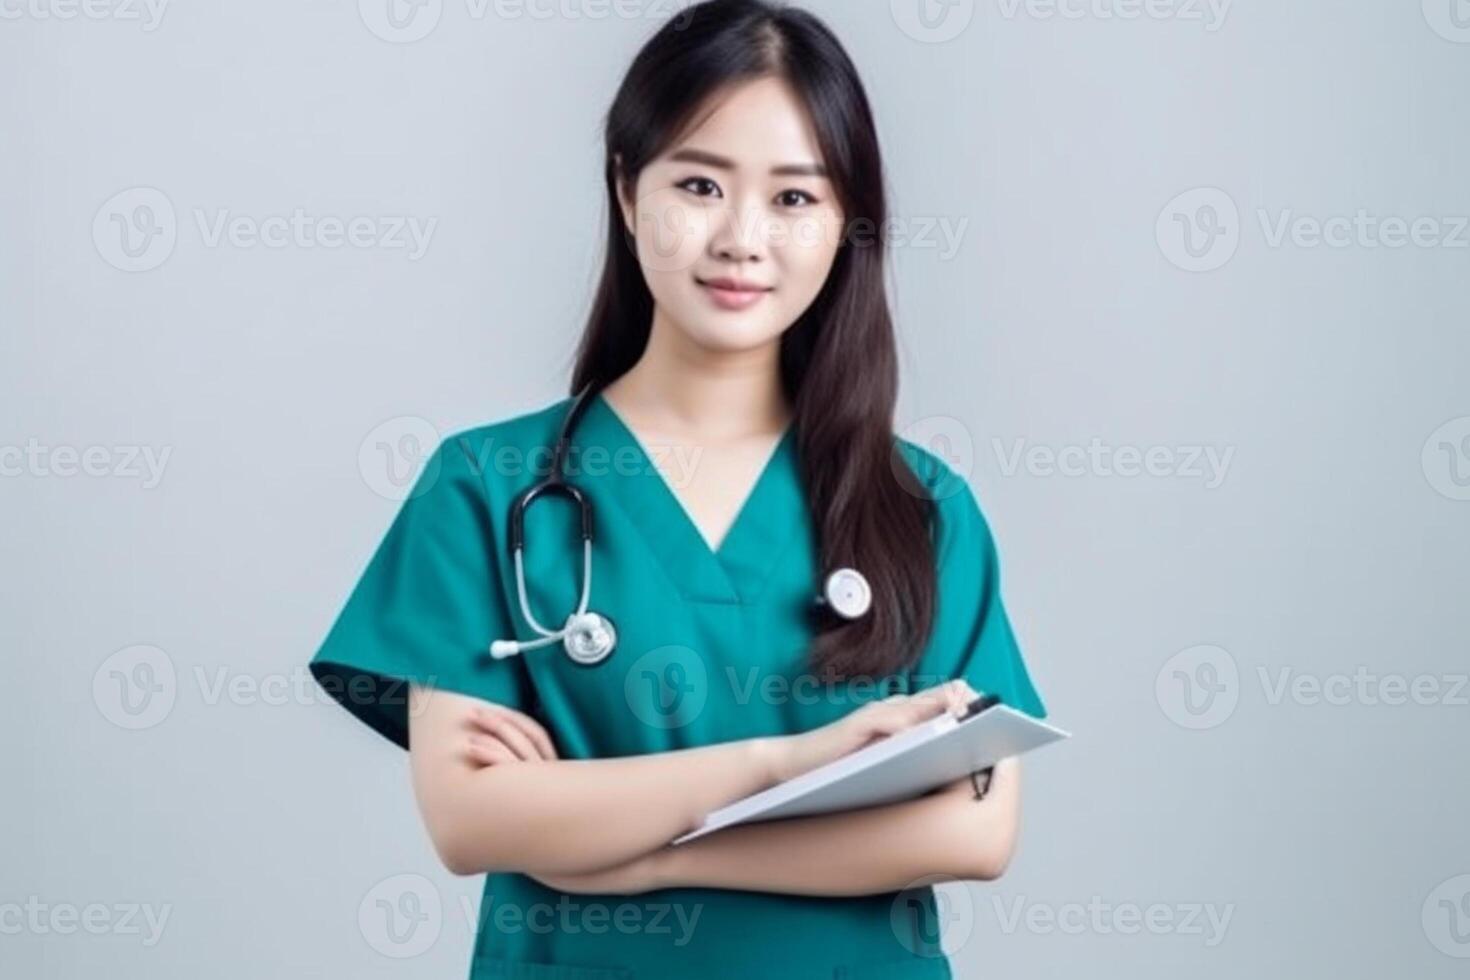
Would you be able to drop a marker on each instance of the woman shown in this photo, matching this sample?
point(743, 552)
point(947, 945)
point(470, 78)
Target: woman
point(741, 323)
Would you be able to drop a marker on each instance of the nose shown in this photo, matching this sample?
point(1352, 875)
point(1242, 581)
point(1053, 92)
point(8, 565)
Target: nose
point(739, 236)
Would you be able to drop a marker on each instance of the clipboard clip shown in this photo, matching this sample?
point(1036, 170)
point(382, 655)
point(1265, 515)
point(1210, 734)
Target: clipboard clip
point(971, 710)
point(980, 704)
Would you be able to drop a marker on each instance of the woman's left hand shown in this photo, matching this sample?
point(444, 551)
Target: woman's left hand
point(633, 877)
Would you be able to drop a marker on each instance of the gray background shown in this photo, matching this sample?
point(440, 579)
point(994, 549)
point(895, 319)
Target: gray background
point(1333, 834)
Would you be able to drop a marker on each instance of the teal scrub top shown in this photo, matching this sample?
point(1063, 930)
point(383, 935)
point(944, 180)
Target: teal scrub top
point(711, 648)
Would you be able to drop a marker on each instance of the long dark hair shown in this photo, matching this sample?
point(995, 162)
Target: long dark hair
point(838, 362)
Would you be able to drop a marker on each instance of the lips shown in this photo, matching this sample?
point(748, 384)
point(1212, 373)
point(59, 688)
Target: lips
point(734, 285)
point(733, 295)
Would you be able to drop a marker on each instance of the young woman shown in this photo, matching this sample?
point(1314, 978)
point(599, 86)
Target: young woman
point(740, 324)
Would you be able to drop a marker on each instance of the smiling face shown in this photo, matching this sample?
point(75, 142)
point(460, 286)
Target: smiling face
point(737, 225)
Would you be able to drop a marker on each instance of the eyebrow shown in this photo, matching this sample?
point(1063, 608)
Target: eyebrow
point(691, 155)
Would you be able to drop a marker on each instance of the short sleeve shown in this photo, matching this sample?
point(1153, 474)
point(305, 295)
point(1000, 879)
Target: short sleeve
point(972, 636)
point(426, 607)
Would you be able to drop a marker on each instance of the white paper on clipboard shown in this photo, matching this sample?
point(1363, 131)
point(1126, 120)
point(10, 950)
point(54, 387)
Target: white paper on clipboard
point(900, 767)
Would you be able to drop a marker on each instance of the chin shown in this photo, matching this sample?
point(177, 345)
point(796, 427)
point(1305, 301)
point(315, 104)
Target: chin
point(732, 334)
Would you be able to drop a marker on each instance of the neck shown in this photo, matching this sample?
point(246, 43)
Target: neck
point(680, 388)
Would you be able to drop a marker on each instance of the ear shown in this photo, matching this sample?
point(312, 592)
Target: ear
point(625, 195)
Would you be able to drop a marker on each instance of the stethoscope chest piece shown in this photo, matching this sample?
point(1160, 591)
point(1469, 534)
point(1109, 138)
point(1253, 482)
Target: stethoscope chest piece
point(589, 637)
point(847, 592)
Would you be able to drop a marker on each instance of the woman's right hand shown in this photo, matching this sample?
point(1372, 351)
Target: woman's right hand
point(801, 753)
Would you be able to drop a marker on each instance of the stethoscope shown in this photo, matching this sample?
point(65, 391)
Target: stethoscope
point(590, 637)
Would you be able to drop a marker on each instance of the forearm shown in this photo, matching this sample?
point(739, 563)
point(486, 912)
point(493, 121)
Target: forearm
point(856, 852)
point(571, 816)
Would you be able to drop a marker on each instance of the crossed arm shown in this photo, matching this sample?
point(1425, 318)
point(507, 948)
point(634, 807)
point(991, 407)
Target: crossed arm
point(857, 852)
point(494, 797)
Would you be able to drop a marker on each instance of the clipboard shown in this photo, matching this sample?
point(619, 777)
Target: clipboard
point(900, 767)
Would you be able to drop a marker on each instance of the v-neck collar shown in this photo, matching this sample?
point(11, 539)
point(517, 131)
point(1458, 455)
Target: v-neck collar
point(738, 570)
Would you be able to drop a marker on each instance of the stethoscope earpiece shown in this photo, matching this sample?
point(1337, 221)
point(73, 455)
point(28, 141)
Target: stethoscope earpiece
point(589, 637)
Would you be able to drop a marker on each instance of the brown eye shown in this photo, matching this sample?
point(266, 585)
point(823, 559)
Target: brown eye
point(703, 183)
point(802, 197)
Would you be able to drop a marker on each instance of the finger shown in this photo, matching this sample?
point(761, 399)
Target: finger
point(964, 694)
point(523, 724)
point(539, 735)
point(933, 701)
point(499, 725)
point(942, 698)
point(952, 696)
point(528, 726)
point(487, 751)
point(895, 718)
